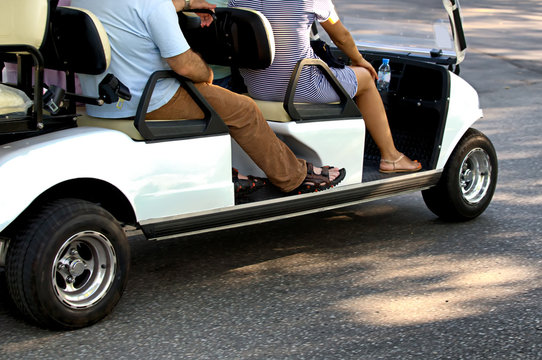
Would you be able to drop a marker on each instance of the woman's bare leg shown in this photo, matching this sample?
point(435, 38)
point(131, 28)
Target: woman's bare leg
point(370, 104)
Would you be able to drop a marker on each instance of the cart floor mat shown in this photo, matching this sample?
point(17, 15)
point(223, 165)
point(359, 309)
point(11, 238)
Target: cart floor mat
point(414, 146)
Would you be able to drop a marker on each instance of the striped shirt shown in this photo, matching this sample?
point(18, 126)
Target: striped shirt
point(291, 21)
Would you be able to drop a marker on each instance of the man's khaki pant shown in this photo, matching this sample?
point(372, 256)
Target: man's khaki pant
point(247, 126)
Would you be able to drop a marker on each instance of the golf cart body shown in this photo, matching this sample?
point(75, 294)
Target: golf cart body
point(173, 178)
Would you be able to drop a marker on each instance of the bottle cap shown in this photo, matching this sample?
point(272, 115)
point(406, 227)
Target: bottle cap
point(385, 61)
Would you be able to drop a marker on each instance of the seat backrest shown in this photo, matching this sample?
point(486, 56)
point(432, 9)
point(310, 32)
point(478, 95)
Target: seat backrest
point(77, 42)
point(44, 36)
point(239, 37)
point(23, 22)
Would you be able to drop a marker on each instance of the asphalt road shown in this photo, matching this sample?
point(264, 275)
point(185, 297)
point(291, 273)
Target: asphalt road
point(384, 280)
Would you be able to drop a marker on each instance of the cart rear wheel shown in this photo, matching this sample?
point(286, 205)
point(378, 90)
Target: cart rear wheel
point(67, 267)
point(468, 180)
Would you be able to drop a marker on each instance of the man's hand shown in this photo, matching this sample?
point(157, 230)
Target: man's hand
point(206, 19)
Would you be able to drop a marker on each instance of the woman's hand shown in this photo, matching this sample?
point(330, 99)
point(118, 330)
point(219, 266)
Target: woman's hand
point(367, 65)
point(341, 37)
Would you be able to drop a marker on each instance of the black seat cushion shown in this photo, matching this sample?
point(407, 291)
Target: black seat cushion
point(74, 43)
point(237, 38)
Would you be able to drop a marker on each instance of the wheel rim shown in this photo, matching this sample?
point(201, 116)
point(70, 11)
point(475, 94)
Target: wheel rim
point(84, 269)
point(475, 176)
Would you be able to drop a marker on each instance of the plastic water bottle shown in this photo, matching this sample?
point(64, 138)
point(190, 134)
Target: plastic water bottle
point(384, 76)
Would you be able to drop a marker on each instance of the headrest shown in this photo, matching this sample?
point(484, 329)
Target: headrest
point(239, 37)
point(77, 42)
point(23, 22)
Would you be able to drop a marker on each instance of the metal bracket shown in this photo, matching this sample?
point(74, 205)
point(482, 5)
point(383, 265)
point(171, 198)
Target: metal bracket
point(4, 244)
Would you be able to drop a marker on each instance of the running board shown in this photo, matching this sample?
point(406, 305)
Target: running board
point(286, 207)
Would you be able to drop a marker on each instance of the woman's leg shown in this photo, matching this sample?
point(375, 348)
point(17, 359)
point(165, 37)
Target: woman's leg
point(370, 104)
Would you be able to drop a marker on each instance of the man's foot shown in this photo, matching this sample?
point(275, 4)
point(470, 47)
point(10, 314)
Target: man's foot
point(401, 164)
point(244, 185)
point(319, 179)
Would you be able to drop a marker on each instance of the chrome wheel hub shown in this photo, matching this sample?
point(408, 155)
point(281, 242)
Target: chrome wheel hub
point(84, 269)
point(475, 176)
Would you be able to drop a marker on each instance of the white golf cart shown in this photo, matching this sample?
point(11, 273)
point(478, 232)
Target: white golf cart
point(70, 184)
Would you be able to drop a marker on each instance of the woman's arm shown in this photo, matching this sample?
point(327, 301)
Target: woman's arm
point(344, 41)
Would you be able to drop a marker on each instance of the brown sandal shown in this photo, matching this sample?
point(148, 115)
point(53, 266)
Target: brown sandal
point(318, 182)
point(394, 163)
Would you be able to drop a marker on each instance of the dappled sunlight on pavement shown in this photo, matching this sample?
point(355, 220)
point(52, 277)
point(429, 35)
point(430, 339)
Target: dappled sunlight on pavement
point(396, 287)
point(498, 40)
point(445, 288)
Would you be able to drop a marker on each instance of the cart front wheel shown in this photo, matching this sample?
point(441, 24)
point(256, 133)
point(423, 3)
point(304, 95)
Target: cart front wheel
point(67, 267)
point(468, 180)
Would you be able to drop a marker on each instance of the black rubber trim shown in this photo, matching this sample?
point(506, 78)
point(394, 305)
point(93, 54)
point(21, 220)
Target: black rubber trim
point(211, 124)
point(289, 206)
point(344, 110)
point(459, 29)
point(443, 106)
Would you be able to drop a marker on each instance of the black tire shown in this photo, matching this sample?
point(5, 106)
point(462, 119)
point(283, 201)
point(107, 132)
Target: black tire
point(468, 180)
point(67, 266)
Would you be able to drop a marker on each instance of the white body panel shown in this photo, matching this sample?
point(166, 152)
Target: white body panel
point(171, 178)
point(159, 179)
point(463, 111)
point(336, 142)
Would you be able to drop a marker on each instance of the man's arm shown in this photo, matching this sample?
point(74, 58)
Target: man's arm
point(189, 64)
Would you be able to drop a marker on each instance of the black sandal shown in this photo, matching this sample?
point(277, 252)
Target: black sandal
point(244, 187)
point(318, 182)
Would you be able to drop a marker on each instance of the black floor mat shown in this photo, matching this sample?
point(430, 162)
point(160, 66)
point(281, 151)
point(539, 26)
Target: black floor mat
point(416, 147)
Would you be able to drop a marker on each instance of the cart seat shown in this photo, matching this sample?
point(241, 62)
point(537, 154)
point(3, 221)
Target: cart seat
point(240, 38)
point(243, 38)
point(57, 38)
point(273, 110)
point(23, 29)
point(123, 125)
point(77, 42)
point(68, 39)
point(23, 22)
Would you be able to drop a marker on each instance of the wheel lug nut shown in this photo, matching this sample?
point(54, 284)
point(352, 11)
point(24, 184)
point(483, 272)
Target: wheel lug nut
point(69, 279)
point(73, 252)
